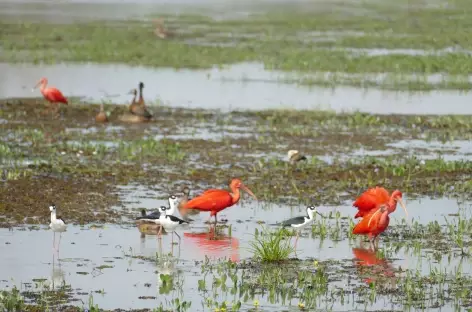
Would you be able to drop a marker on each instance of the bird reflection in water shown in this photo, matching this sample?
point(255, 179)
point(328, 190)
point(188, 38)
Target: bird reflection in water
point(57, 275)
point(373, 268)
point(213, 244)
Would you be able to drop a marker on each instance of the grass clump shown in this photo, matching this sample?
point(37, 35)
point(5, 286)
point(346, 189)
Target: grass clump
point(12, 301)
point(271, 246)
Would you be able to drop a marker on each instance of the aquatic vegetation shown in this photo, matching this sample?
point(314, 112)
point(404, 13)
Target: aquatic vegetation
point(11, 301)
point(271, 246)
point(327, 44)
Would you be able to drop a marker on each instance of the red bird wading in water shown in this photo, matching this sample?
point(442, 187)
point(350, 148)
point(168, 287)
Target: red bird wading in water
point(374, 206)
point(51, 94)
point(216, 200)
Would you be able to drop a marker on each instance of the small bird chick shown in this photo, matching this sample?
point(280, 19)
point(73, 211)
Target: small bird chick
point(294, 156)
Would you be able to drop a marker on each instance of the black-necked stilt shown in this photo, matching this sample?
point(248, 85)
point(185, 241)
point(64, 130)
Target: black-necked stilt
point(294, 156)
point(155, 216)
point(300, 222)
point(57, 225)
point(170, 222)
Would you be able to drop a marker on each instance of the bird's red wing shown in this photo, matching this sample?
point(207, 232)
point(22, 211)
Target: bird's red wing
point(54, 95)
point(363, 227)
point(210, 200)
point(371, 199)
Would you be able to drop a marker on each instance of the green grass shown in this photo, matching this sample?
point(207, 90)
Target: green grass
point(292, 40)
point(272, 247)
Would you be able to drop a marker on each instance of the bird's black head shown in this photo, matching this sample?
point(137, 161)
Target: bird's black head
point(173, 197)
point(141, 85)
point(52, 207)
point(163, 208)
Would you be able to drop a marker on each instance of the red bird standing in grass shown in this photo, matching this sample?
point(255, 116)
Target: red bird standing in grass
point(216, 200)
point(374, 206)
point(51, 94)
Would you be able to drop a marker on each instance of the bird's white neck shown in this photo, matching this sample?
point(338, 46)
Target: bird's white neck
point(53, 216)
point(172, 207)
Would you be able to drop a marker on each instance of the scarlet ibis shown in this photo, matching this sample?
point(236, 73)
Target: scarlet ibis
point(216, 200)
point(57, 225)
point(375, 222)
point(51, 94)
point(375, 197)
point(294, 156)
point(101, 116)
point(302, 221)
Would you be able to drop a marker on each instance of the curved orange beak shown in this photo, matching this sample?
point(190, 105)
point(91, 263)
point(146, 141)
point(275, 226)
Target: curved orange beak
point(244, 187)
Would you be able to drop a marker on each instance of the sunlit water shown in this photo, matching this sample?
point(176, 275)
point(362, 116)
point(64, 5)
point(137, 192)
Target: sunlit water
point(224, 89)
point(84, 249)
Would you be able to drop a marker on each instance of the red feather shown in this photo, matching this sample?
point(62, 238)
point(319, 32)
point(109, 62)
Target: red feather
point(211, 200)
point(53, 95)
point(371, 199)
point(375, 227)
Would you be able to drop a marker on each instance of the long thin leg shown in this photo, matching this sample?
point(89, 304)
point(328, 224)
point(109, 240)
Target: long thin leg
point(159, 234)
point(216, 220)
point(54, 241)
point(178, 236)
point(371, 241)
point(296, 241)
point(59, 245)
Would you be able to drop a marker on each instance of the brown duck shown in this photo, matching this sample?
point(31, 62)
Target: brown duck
point(160, 31)
point(101, 116)
point(184, 212)
point(138, 112)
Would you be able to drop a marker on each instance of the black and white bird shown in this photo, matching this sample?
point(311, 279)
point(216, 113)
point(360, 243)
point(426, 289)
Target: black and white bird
point(170, 222)
point(155, 216)
point(302, 221)
point(294, 156)
point(57, 225)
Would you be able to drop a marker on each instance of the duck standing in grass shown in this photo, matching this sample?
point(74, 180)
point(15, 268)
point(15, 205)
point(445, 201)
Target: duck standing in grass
point(160, 30)
point(51, 94)
point(294, 157)
point(102, 115)
point(57, 225)
point(137, 110)
point(184, 212)
point(302, 221)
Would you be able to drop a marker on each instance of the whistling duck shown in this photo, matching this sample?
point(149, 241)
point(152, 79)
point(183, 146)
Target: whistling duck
point(184, 212)
point(138, 111)
point(101, 116)
point(294, 156)
point(160, 31)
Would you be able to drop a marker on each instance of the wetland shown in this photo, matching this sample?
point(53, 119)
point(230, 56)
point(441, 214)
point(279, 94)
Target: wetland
point(230, 96)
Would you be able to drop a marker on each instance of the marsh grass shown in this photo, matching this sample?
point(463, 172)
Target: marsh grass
point(311, 40)
point(270, 246)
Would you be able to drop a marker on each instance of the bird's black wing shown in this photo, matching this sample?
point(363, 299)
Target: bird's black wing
point(296, 220)
point(176, 219)
point(152, 216)
point(60, 218)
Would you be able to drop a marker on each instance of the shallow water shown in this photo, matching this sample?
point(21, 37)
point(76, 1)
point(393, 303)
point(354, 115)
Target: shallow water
point(227, 89)
point(84, 249)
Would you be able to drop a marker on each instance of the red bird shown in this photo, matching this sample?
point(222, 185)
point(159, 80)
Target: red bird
point(51, 94)
point(216, 200)
point(374, 206)
point(375, 197)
